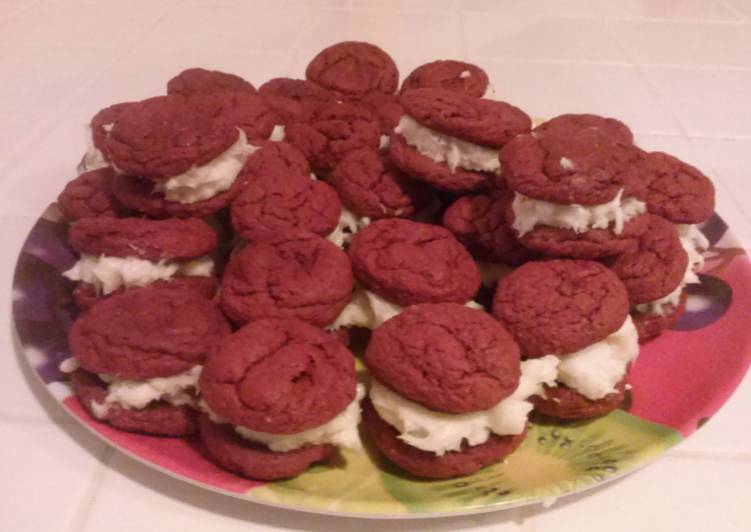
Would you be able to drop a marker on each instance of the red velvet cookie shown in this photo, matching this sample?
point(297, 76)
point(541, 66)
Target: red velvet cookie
point(479, 222)
point(649, 326)
point(167, 135)
point(147, 332)
point(657, 267)
point(102, 122)
point(409, 262)
point(675, 190)
point(563, 402)
point(154, 240)
point(563, 125)
point(279, 376)
point(584, 166)
point(235, 453)
point(159, 418)
point(354, 68)
point(90, 195)
point(292, 274)
point(423, 168)
point(426, 464)
point(275, 158)
point(201, 81)
point(307, 94)
point(486, 122)
point(138, 194)
point(332, 132)
point(277, 202)
point(370, 185)
point(287, 110)
point(445, 356)
point(560, 306)
point(447, 74)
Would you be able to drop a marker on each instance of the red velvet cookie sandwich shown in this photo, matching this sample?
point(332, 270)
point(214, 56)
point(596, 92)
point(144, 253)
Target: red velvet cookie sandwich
point(140, 354)
point(280, 395)
point(122, 253)
point(451, 140)
point(447, 74)
point(577, 311)
point(202, 81)
point(448, 394)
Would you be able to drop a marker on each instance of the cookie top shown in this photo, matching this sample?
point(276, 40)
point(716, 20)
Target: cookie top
point(409, 262)
point(586, 167)
point(675, 190)
point(332, 132)
point(90, 195)
point(479, 222)
point(456, 76)
point(564, 125)
point(277, 201)
point(138, 194)
point(153, 240)
point(445, 356)
point(167, 135)
point(354, 68)
point(487, 122)
point(201, 81)
point(560, 306)
point(369, 184)
point(102, 122)
point(440, 175)
point(657, 267)
point(147, 332)
point(280, 376)
point(275, 158)
point(250, 112)
point(288, 274)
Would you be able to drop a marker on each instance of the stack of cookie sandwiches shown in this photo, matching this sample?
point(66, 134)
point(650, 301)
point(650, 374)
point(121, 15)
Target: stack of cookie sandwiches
point(231, 241)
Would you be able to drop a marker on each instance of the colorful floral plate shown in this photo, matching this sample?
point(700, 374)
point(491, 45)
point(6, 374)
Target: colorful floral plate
point(678, 382)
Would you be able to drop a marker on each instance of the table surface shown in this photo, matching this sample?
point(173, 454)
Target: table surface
point(679, 73)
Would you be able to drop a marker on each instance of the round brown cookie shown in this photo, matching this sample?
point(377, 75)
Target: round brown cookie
point(675, 190)
point(447, 74)
point(90, 195)
point(369, 184)
point(487, 122)
point(252, 113)
point(332, 132)
point(592, 244)
point(102, 122)
point(657, 267)
point(138, 194)
point(158, 418)
point(563, 125)
point(354, 68)
point(85, 295)
point(202, 81)
point(445, 356)
point(167, 135)
point(147, 332)
point(290, 274)
point(560, 306)
point(155, 240)
point(233, 452)
point(277, 202)
point(275, 158)
point(479, 222)
point(649, 326)
point(410, 262)
point(563, 402)
point(307, 94)
point(423, 168)
point(385, 107)
point(279, 376)
point(582, 166)
point(426, 464)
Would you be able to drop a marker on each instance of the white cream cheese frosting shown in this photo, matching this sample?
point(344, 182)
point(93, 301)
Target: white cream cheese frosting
point(177, 390)
point(203, 182)
point(442, 148)
point(93, 159)
point(278, 134)
point(595, 370)
point(349, 224)
point(440, 432)
point(340, 431)
point(529, 213)
point(107, 274)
